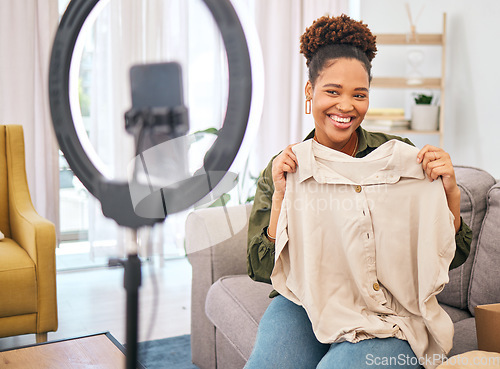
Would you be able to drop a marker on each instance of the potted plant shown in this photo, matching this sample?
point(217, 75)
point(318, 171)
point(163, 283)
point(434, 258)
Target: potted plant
point(425, 114)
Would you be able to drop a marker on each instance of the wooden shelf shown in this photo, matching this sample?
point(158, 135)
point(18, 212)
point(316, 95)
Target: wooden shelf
point(408, 39)
point(400, 82)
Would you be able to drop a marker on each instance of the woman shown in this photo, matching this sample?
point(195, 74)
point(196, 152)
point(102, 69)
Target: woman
point(338, 54)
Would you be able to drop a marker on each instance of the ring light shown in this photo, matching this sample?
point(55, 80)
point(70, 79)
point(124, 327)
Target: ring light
point(114, 195)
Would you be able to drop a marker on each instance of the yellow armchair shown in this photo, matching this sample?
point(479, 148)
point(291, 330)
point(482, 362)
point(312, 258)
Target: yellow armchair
point(28, 300)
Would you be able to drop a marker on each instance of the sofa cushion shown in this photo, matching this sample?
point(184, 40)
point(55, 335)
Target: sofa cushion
point(235, 305)
point(464, 338)
point(485, 280)
point(18, 295)
point(456, 314)
point(227, 356)
point(474, 185)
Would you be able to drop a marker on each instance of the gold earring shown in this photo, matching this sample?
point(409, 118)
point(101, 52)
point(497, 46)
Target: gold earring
point(308, 106)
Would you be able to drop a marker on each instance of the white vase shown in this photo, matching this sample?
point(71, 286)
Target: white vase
point(424, 117)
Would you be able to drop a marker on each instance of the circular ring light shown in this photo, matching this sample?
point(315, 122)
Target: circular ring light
point(113, 195)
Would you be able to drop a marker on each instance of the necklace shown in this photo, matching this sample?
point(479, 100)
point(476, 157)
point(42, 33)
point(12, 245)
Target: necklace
point(355, 146)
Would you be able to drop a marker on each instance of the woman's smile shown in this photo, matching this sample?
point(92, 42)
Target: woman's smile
point(341, 122)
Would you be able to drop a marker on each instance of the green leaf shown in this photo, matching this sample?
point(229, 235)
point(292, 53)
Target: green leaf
point(221, 201)
point(423, 99)
point(211, 130)
point(199, 135)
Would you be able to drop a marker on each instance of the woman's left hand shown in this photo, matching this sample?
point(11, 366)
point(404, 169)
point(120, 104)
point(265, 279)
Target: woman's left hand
point(437, 163)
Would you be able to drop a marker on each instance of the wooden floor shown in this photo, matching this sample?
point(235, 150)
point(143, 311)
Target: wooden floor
point(93, 301)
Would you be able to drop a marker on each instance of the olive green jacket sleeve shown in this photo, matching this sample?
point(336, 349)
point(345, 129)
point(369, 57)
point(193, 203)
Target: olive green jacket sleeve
point(463, 240)
point(260, 250)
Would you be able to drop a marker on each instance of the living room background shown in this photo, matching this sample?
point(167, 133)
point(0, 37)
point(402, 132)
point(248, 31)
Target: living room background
point(28, 26)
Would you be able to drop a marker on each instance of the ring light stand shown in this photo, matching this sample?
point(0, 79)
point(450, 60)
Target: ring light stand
point(115, 196)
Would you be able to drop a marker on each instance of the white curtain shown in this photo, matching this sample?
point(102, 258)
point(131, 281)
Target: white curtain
point(280, 23)
point(27, 28)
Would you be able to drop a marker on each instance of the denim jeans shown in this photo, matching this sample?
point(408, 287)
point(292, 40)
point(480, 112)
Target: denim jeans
point(285, 340)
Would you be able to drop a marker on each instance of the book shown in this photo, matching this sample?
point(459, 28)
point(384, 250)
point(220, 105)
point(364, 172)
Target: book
point(386, 124)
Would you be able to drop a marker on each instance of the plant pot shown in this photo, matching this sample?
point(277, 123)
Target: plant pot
point(424, 117)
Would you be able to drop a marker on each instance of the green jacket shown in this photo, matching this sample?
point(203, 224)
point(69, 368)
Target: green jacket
point(260, 251)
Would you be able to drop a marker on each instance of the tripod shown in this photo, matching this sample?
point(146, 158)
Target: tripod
point(132, 280)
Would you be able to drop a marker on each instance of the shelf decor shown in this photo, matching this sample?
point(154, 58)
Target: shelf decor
point(425, 114)
point(416, 80)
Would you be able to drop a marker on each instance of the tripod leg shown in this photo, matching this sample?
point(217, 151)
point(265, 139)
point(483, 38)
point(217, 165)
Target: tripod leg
point(132, 282)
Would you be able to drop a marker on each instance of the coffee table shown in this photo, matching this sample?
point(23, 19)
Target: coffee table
point(100, 350)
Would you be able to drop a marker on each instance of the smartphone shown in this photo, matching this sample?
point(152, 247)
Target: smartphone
point(156, 85)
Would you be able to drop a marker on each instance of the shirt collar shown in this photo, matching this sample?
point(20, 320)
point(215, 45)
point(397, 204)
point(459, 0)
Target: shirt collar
point(366, 140)
point(400, 162)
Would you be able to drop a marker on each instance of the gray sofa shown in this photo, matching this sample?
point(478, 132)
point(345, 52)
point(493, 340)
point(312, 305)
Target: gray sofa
point(227, 305)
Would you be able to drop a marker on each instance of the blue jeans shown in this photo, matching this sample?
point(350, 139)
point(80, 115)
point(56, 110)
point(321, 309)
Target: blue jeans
point(285, 340)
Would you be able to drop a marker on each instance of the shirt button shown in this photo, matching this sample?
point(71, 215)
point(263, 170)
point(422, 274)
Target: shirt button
point(357, 189)
point(376, 286)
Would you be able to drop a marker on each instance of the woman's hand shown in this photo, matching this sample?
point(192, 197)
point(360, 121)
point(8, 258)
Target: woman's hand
point(437, 163)
point(285, 162)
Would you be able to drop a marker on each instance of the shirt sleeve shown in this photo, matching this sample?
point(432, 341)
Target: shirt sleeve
point(260, 250)
point(463, 240)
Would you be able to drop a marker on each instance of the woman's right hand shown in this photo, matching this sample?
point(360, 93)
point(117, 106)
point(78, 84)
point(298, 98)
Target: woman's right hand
point(285, 162)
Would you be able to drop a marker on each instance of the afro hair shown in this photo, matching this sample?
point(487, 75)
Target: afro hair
point(337, 30)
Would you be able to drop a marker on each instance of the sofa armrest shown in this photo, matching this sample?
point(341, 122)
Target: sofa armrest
point(220, 234)
point(216, 243)
point(35, 234)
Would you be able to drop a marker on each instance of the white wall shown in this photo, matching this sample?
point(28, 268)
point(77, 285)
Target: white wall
point(472, 122)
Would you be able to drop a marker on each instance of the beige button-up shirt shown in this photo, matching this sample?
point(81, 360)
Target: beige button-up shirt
point(364, 245)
